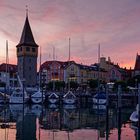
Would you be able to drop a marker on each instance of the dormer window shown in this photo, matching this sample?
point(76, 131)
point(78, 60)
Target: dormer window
point(17, 49)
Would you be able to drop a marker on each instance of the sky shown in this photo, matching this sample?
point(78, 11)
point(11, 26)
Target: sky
point(115, 24)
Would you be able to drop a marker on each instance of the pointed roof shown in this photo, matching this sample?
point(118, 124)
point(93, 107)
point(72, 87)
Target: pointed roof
point(27, 36)
point(137, 63)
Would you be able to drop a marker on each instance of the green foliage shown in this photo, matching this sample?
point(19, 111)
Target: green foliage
point(131, 82)
point(93, 84)
point(58, 85)
point(74, 85)
point(123, 85)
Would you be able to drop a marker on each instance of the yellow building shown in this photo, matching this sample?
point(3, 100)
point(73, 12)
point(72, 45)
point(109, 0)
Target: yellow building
point(82, 73)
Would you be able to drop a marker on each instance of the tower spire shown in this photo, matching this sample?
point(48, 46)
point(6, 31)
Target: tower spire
point(26, 10)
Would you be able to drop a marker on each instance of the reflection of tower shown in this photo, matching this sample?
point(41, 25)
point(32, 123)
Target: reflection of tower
point(26, 129)
point(27, 51)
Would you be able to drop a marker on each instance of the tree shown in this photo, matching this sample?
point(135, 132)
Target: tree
point(93, 84)
point(74, 85)
point(123, 85)
point(58, 85)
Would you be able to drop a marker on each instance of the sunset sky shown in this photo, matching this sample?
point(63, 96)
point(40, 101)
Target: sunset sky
point(115, 24)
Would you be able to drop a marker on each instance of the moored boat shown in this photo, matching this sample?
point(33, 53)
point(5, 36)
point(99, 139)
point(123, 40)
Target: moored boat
point(69, 98)
point(38, 97)
point(53, 98)
point(134, 116)
point(4, 98)
point(18, 97)
point(19, 94)
point(99, 98)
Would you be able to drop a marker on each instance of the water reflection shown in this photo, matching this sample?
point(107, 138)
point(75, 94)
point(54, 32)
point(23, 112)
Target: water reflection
point(37, 122)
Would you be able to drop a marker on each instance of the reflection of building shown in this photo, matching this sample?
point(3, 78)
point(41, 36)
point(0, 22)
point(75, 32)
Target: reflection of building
point(26, 128)
point(27, 51)
point(50, 119)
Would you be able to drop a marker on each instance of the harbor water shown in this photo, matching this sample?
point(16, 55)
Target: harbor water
point(38, 122)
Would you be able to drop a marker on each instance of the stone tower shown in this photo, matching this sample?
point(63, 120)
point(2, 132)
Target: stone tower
point(27, 52)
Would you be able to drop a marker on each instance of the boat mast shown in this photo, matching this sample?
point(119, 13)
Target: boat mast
point(53, 68)
point(40, 69)
point(99, 68)
point(7, 62)
point(69, 65)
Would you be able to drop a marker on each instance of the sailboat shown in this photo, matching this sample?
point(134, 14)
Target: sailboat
point(134, 117)
point(38, 96)
point(100, 97)
point(69, 97)
point(4, 98)
point(53, 98)
point(19, 95)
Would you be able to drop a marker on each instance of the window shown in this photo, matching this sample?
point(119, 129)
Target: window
point(33, 49)
point(27, 49)
point(21, 49)
point(17, 49)
point(30, 68)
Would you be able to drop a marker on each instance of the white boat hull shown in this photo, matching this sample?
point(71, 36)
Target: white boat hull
point(53, 106)
point(69, 101)
point(38, 97)
point(99, 101)
point(37, 100)
point(17, 97)
point(134, 117)
point(69, 106)
point(100, 107)
point(17, 100)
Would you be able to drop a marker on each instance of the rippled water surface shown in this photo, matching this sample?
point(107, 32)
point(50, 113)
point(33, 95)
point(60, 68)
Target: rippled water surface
point(38, 122)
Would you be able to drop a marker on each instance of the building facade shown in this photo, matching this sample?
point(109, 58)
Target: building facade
point(52, 71)
point(8, 75)
point(70, 72)
point(137, 66)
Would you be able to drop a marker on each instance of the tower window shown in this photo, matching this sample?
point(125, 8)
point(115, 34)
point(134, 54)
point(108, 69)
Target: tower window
point(33, 49)
point(27, 49)
point(17, 49)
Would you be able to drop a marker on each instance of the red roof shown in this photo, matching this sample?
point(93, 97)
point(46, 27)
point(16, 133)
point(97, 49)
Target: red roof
point(10, 67)
point(46, 65)
point(137, 63)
